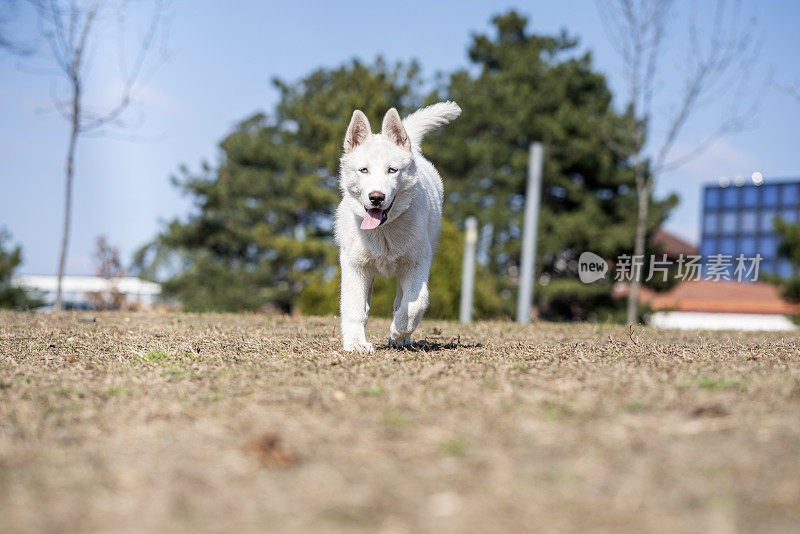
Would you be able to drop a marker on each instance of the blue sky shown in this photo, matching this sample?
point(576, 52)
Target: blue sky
point(223, 56)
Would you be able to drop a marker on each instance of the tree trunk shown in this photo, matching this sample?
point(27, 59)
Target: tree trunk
point(638, 251)
point(73, 139)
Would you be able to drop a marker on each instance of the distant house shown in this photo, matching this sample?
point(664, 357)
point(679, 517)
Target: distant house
point(715, 305)
point(737, 222)
point(663, 243)
point(722, 305)
point(673, 246)
point(77, 291)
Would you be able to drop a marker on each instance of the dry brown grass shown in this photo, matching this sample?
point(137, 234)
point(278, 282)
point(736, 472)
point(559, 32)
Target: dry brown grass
point(222, 423)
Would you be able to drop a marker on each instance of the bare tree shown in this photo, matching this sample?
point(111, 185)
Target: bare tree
point(108, 266)
point(718, 64)
point(70, 29)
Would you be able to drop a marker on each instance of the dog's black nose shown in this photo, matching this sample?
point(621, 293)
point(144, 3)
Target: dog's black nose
point(376, 197)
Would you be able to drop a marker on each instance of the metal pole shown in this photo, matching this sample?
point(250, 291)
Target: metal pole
point(527, 270)
point(468, 270)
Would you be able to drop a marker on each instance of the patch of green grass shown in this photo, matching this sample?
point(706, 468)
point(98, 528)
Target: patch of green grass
point(395, 420)
point(66, 392)
point(556, 411)
point(717, 383)
point(453, 447)
point(174, 374)
point(635, 406)
point(375, 390)
point(157, 356)
point(115, 392)
point(27, 378)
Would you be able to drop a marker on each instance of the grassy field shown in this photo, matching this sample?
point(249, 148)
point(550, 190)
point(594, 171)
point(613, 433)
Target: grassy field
point(223, 423)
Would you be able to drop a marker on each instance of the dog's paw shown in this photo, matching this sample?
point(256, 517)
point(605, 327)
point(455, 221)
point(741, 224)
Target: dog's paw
point(399, 331)
point(400, 344)
point(363, 347)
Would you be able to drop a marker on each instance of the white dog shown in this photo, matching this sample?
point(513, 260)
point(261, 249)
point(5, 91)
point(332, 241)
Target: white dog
point(389, 220)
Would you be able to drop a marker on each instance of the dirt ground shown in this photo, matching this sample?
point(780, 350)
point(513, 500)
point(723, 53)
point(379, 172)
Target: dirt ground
point(225, 423)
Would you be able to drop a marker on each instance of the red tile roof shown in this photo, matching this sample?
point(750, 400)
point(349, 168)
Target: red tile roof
point(671, 245)
point(724, 297)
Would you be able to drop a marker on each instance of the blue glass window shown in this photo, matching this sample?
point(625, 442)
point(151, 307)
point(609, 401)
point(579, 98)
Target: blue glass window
point(730, 197)
point(766, 267)
point(766, 221)
point(712, 198)
point(769, 246)
point(750, 196)
point(784, 268)
point(747, 246)
point(727, 246)
point(710, 223)
point(769, 195)
point(789, 215)
point(790, 195)
point(708, 247)
point(728, 223)
point(748, 222)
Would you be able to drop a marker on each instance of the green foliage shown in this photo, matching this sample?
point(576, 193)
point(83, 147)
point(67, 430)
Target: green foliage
point(12, 296)
point(717, 383)
point(789, 241)
point(157, 356)
point(261, 230)
point(539, 88)
point(375, 389)
point(789, 248)
point(569, 297)
point(453, 447)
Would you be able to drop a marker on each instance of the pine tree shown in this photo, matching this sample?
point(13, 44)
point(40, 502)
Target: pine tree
point(538, 88)
point(261, 230)
point(11, 295)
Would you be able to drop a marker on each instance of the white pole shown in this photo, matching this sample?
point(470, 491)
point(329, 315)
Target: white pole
point(468, 270)
point(527, 270)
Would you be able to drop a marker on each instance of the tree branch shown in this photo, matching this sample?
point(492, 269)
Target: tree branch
point(639, 31)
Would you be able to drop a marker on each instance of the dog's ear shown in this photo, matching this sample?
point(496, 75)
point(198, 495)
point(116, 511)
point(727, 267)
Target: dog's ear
point(393, 129)
point(357, 132)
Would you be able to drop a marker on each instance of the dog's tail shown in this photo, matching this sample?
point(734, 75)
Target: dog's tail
point(427, 119)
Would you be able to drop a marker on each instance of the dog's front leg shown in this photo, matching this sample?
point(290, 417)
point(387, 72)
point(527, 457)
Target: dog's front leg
point(355, 297)
point(413, 283)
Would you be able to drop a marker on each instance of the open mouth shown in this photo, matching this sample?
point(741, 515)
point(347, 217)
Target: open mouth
point(375, 217)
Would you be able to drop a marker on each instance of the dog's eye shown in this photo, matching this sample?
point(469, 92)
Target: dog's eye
point(363, 170)
point(392, 170)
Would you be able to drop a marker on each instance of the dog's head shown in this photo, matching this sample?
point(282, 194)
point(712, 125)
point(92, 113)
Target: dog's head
point(376, 168)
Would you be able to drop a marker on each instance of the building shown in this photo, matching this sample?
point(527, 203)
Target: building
point(671, 245)
point(663, 244)
point(76, 290)
point(738, 219)
point(722, 305)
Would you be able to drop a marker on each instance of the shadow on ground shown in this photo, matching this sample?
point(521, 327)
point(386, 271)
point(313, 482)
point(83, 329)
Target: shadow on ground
point(433, 345)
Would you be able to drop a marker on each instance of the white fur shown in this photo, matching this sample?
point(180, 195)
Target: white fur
point(404, 245)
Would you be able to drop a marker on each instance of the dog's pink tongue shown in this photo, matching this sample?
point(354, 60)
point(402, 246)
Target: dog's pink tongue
point(373, 219)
